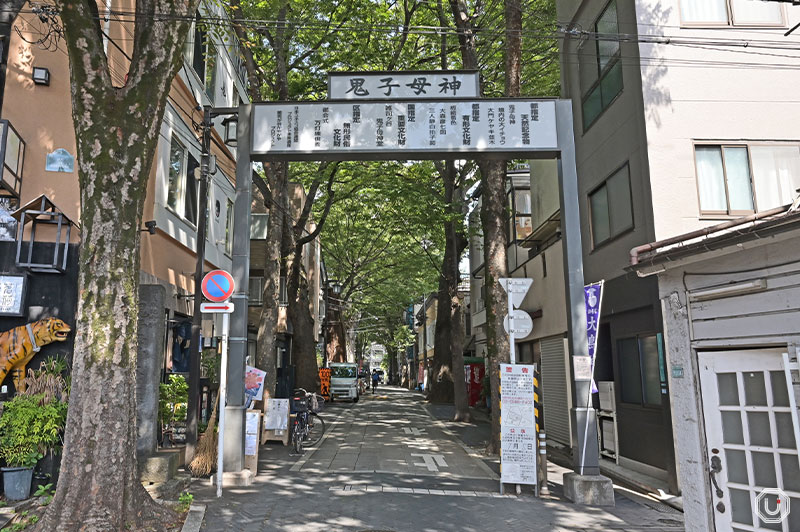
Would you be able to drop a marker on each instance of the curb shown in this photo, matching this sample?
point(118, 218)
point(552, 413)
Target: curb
point(194, 519)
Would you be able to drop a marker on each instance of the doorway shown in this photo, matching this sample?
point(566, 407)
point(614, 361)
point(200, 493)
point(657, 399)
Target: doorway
point(752, 434)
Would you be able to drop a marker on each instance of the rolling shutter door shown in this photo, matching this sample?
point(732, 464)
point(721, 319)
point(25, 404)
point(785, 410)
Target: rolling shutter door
point(555, 390)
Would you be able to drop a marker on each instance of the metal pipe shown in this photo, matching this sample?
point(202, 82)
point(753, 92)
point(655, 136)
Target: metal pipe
point(703, 232)
point(197, 318)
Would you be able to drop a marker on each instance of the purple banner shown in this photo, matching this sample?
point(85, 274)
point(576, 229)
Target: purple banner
point(593, 294)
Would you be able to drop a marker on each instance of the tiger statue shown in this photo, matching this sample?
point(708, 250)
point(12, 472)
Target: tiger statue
point(20, 344)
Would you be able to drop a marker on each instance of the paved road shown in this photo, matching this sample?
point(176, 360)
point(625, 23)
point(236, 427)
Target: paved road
point(387, 465)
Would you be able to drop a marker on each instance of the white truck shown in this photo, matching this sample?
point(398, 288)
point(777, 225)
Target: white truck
point(344, 381)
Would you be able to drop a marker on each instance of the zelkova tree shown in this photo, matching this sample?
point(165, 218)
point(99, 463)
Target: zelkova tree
point(116, 129)
point(538, 75)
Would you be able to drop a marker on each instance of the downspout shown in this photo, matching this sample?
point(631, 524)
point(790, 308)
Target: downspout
point(634, 254)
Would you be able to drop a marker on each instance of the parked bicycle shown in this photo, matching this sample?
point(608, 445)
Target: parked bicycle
point(308, 426)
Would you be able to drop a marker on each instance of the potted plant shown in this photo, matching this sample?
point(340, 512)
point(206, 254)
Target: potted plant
point(49, 383)
point(27, 429)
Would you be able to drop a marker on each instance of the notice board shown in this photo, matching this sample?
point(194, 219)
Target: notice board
point(517, 425)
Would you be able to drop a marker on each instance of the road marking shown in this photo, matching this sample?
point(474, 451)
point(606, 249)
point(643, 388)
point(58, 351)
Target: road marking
point(432, 461)
point(414, 431)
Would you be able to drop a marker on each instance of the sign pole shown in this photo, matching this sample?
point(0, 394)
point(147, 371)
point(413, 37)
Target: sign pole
point(222, 400)
point(511, 346)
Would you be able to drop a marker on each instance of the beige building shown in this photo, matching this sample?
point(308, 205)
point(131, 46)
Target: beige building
point(683, 118)
point(38, 113)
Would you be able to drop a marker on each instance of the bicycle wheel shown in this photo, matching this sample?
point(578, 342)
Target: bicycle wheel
point(316, 428)
point(297, 439)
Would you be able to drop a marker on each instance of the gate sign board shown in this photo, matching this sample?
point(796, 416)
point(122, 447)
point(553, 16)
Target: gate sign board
point(404, 85)
point(402, 130)
point(217, 286)
point(517, 425)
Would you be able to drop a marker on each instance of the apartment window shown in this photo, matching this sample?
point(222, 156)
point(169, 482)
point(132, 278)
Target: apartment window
point(642, 370)
point(229, 228)
point(731, 13)
point(519, 225)
point(182, 185)
point(211, 71)
point(610, 207)
point(600, 66)
point(740, 179)
point(203, 56)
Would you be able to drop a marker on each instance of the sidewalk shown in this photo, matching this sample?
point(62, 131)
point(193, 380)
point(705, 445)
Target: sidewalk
point(370, 474)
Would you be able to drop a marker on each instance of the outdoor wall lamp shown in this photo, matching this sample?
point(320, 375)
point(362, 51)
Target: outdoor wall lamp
point(229, 124)
point(336, 287)
point(41, 76)
point(150, 227)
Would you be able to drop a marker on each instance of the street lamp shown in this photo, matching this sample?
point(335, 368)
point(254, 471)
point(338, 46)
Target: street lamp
point(229, 124)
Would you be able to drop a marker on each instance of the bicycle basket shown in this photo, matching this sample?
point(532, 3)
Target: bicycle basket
point(299, 404)
point(316, 402)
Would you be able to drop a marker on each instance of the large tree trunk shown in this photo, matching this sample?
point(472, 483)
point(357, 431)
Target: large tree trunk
point(493, 215)
point(116, 132)
point(267, 324)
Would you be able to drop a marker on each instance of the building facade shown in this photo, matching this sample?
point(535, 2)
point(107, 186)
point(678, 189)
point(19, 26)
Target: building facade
point(43, 165)
point(731, 307)
point(680, 123)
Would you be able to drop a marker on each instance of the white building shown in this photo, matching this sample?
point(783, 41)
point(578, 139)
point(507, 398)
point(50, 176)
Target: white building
point(682, 120)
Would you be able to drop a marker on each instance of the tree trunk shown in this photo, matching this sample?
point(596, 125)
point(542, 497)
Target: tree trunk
point(336, 348)
point(493, 215)
point(266, 352)
point(442, 377)
point(116, 132)
point(460, 400)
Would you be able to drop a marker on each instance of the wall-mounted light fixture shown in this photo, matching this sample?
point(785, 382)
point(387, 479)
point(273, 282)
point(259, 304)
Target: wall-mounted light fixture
point(730, 290)
point(150, 227)
point(229, 124)
point(41, 76)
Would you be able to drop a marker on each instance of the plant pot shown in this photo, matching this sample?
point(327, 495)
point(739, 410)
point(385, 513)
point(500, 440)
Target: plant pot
point(17, 482)
point(47, 469)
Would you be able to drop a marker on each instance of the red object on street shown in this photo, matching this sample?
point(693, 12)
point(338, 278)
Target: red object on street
point(473, 374)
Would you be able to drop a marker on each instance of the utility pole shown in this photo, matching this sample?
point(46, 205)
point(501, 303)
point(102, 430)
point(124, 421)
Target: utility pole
point(192, 407)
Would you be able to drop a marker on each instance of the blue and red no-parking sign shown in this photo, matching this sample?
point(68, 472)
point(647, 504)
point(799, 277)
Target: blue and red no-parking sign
point(217, 286)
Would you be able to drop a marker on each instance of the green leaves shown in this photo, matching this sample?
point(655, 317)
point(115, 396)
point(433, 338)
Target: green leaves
point(28, 429)
point(172, 398)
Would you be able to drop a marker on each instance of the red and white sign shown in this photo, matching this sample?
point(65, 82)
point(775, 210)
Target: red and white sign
point(217, 286)
point(211, 308)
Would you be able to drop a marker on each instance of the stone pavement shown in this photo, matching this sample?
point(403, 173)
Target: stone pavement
point(387, 465)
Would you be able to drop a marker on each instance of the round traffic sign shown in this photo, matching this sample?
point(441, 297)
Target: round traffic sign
point(523, 324)
point(217, 286)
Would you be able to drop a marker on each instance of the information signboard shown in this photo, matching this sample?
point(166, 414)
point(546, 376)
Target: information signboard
point(403, 85)
point(402, 130)
point(12, 295)
point(517, 425)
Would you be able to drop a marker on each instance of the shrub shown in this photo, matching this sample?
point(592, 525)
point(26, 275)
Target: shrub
point(29, 428)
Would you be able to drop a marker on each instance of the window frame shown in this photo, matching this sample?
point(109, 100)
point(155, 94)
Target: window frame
point(662, 369)
point(730, 23)
point(514, 215)
point(604, 183)
point(602, 72)
point(179, 210)
point(734, 144)
point(229, 227)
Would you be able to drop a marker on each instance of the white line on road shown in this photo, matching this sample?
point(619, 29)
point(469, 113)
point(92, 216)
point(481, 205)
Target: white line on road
point(432, 461)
